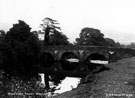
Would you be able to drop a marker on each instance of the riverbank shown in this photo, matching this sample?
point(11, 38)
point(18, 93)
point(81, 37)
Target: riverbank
point(118, 82)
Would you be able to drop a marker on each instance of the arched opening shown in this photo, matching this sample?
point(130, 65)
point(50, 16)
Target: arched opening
point(69, 61)
point(46, 60)
point(97, 58)
point(96, 61)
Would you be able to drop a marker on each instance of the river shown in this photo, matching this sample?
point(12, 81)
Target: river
point(69, 82)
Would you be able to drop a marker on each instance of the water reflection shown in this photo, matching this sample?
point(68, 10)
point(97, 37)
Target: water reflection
point(72, 68)
point(68, 84)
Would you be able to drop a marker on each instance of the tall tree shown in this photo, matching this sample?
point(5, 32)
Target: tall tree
point(53, 36)
point(49, 26)
point(24, 48)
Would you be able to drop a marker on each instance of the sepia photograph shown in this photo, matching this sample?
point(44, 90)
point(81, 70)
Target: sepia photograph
point(67, 49)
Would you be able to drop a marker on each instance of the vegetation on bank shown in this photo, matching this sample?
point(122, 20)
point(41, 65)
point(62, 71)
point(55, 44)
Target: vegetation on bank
point(15, 87)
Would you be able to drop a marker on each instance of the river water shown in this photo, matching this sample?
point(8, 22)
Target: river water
point(69, 82)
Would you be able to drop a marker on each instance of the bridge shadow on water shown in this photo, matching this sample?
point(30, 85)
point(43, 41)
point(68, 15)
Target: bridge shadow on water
point(73, 72)
point(69, 64)
point(70, 69)
point(84, 72)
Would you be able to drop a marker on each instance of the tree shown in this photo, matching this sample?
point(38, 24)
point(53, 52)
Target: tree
point(2, 36)
point(118, 44)
point(2, 33)
point(131, 45)
point(24, 50)
point(20, 32)
point(53, 36)
point(49, 26)
point(91, 36)
point(58, 39)
point(3, 49)
point(110, 42)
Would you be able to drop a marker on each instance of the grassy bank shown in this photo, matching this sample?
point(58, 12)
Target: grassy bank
point(118, 82)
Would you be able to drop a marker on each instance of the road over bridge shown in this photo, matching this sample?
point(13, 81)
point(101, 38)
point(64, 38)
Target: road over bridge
point(75, 59)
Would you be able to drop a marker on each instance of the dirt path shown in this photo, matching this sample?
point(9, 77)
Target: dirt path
point(119, 82)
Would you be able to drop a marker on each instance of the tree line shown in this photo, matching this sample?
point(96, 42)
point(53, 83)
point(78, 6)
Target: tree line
point(20, 48)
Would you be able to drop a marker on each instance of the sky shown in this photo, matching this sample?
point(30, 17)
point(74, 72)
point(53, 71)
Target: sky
point(115, 18)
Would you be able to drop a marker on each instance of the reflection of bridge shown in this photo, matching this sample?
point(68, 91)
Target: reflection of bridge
point(82, 55)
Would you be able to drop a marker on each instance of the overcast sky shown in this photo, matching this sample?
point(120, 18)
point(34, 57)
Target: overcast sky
point(115, 18)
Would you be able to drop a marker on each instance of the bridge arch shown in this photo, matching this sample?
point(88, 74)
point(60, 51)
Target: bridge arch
point(46, 60)
point(66, 63)
point(95, 61)
point(96, 56)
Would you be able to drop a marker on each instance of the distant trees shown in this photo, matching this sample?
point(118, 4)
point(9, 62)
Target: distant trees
point(131, 45)
point(93, 37)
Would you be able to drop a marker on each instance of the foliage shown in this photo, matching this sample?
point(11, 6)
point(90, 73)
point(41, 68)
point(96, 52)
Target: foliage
point(53, 35)
point(49, 26)
point(91, 36)
point(110, 42)
point(24, 50)
point(3, 49)
point(17, 88)
point(130, 45)
point(58, 39)
point(118, 44)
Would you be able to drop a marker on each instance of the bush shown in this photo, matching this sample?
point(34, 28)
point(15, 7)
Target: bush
point(17, 88)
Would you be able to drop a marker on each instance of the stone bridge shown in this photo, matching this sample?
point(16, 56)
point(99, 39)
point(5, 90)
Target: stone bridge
point(58, 58)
